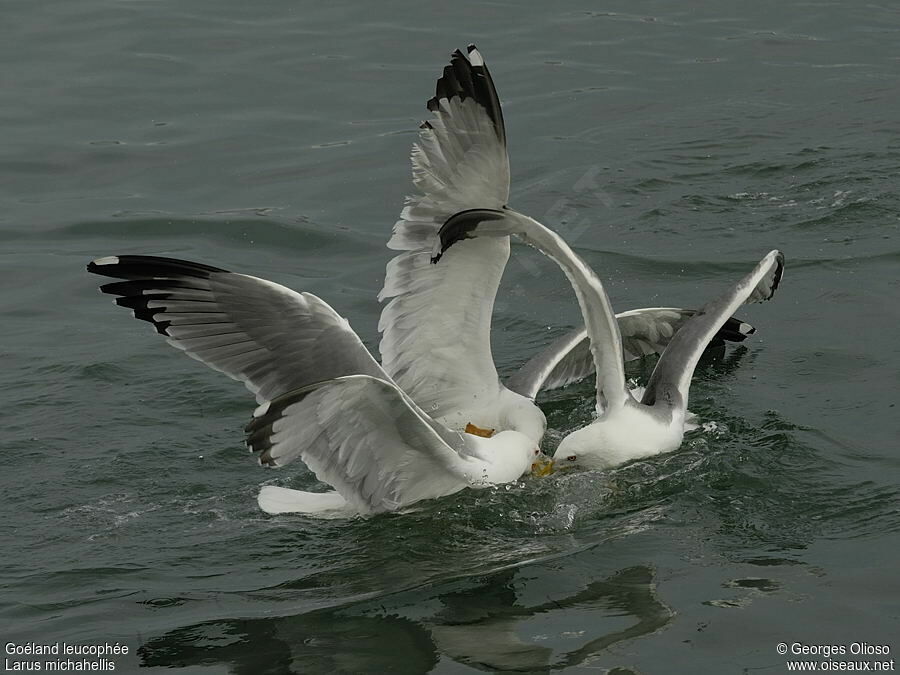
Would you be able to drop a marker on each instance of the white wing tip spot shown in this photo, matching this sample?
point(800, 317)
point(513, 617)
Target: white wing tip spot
point(745, 328)
point(107, 260)
point(262, 409)
point(475, 57)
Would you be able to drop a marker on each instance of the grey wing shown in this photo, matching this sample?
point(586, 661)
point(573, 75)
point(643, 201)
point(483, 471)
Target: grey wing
point(650, 330)
point(565, 360)
point(436, 324)
point(269, 337)
point(673, 373)
point(644, 331)
point(364, 437)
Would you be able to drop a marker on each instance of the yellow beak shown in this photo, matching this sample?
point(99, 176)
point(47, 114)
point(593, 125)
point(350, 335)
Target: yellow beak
point(478, 431)
point(542, 467)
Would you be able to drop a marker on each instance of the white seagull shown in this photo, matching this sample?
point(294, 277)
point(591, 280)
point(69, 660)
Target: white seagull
point(322, 396)
point(625, 428)
point(436, 327)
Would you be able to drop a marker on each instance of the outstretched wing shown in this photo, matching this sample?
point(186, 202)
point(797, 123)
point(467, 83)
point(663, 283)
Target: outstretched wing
point(596, 310)
point(366, 438)
point(436, 327)
point(269, 337)
point(672, 375)
point(644, 331)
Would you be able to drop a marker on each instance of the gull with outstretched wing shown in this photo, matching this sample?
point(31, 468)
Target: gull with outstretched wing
point(625, 428)
point(323, 398)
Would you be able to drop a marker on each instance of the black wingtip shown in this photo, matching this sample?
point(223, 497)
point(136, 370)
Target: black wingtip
point(779, 272)
point(260, 429)
point(98, 265)
point(468, 77)
point(151, 279)
point(462, 225)
point(148, 266)
point(733, 330)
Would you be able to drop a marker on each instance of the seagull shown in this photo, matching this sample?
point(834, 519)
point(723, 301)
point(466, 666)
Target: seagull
point(322, 397)
point(625, 428)
point(436, 325)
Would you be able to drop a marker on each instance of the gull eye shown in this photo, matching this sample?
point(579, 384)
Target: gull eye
point(536, 452)
point(570, 458)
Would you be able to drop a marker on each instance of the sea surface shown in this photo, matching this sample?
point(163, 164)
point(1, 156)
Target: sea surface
point(672, 144)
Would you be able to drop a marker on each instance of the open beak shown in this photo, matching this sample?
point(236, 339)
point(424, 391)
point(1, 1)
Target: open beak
point(542, 467)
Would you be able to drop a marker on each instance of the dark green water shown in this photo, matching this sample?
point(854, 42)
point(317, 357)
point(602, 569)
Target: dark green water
point(672, 146)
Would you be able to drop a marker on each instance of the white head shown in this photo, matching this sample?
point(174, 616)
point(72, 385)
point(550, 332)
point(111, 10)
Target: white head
point(511, 455)
point(581, 448)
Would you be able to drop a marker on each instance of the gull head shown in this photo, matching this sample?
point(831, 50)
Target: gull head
point(582, 448)
point(511, 455)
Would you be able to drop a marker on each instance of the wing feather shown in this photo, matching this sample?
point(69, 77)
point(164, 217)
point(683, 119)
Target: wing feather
point(269, 337)
point(436, 324)
point(672, 376)
point(366, 438)
point(644, 331)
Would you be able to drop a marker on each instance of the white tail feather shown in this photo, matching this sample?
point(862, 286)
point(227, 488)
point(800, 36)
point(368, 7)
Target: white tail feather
point(274, 499)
